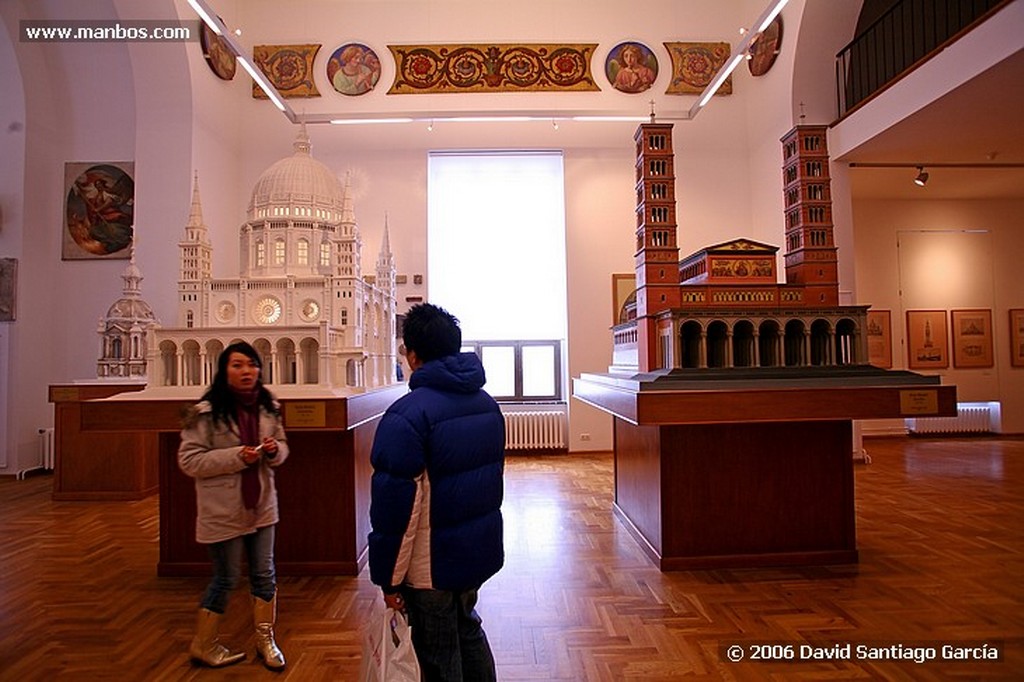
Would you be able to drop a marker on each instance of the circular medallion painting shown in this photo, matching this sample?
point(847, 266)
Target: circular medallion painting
point(353, 69)
point(218, 55)
point(765, 48)
point(100, 210)
point(631, 67)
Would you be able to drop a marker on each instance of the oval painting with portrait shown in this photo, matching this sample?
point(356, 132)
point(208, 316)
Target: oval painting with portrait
point(631, 67)
point(353, 69)
point(99, 210)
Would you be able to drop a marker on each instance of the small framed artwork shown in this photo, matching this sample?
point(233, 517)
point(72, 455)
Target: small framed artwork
point(8, 289)
point(972, 338)
point(927, 339)
point(1017, 337)
point(879, 335)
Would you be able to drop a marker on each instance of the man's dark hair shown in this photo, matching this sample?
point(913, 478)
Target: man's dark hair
point(431, 332)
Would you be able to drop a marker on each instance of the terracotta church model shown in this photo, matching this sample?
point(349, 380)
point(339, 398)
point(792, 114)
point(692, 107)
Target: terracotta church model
point(722, 306)
point(301, 298)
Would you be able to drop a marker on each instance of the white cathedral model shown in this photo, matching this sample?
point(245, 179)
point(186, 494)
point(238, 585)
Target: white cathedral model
point(301, 299)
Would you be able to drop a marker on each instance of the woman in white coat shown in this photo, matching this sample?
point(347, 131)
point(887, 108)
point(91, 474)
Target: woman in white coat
point(231, 443)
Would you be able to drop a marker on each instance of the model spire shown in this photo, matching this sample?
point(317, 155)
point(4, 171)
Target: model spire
point(302, 144)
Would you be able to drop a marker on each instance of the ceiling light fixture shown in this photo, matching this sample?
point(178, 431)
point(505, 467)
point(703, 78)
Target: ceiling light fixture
point(740, 53)
point(211, 19)
point(922, 177)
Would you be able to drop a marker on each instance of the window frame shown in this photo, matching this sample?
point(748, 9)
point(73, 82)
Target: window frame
point(517, 346)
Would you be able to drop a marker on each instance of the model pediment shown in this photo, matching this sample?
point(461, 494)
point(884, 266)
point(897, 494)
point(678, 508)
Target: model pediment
point(746, 246)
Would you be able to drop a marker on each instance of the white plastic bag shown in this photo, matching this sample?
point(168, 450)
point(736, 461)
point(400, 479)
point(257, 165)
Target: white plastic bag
point(388, 655)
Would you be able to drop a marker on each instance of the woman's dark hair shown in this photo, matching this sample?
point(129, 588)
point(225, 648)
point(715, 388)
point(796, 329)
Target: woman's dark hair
point(219, 394)
point(432, 332)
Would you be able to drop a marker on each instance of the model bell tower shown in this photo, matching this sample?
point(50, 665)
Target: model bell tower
point(811, 258)
point(657, 252)
point(196, 258)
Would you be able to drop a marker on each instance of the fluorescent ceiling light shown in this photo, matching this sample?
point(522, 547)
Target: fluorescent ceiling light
point(749, 36)
point(363, 121)
point(207, 17)
point(719, 79)
point(261, 81)
point(772, 13)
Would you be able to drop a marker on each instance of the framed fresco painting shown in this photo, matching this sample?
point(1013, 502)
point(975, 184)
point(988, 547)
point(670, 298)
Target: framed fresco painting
point(972, 338)
point(927, 339)
point(99, 210)
point(879, 335)
point(288, 67)
point(1017, 337)
point(353, 69)
point(765, 48)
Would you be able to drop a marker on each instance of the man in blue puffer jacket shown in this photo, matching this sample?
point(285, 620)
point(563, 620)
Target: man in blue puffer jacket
point(438, 460)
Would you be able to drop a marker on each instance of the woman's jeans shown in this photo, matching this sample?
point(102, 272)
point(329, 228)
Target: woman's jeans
point(227, 568)
point(450, 643)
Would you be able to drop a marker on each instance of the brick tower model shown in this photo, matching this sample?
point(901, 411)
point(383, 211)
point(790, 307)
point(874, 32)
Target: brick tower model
point(657, 252)
point(811, 258)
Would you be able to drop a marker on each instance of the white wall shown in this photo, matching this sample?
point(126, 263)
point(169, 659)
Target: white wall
point(951, 255)
point(161, 107)
point(12, 160)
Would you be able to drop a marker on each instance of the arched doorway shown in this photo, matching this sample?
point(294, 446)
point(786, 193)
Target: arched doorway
point(690, 342)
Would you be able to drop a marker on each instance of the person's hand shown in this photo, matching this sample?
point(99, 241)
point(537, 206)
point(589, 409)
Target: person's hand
point(249, 454)
point(269, 446)
point(395, 601)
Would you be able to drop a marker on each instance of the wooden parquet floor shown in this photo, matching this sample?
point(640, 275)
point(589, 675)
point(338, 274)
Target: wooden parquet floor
point(939, 526)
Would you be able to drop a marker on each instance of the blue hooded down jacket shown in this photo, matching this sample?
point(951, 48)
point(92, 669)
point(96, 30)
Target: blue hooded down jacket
point(438, 459)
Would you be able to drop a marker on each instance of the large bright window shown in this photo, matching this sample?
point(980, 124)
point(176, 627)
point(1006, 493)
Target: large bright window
point(496, 260)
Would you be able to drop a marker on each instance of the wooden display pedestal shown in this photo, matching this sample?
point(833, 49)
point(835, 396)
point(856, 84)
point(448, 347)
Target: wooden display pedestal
point(752, 469)
point(98, 466)
point(323, 487)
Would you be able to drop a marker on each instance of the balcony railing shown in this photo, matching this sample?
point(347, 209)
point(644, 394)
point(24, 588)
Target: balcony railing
point(910, 32)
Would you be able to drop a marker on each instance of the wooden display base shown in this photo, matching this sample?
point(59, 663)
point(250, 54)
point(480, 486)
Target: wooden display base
point(94, 466)
point(726, 473)
point(323, 487)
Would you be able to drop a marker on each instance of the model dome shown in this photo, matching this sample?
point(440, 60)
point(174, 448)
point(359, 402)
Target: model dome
point(134, 309)
point(295, 185)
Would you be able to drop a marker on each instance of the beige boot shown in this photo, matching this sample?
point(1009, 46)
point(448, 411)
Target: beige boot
point(205, 648)
point(264, 613)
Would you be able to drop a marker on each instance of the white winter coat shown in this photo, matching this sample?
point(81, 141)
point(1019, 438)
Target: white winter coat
point(209, 453)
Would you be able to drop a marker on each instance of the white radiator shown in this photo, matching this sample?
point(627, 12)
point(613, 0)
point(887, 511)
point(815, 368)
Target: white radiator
point(970, 418)
point(535, 430)
point(46, 448)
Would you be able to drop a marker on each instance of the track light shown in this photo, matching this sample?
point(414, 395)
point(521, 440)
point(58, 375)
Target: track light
point(922, 176)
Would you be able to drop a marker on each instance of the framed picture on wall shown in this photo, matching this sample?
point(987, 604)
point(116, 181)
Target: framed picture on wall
point(879, 334)
point(1017, 337)
point(927, 339)
point(623, 287)
point(972, 338)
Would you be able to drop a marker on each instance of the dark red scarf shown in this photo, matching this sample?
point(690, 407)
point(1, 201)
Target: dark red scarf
point(248, 417)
